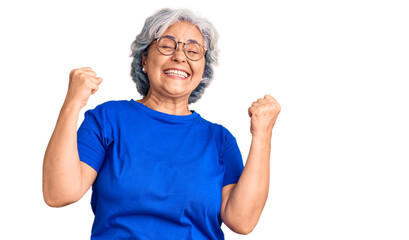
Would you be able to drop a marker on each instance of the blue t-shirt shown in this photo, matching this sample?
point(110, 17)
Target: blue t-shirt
point(160, 176)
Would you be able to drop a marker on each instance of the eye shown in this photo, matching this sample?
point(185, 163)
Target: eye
point(167, 44)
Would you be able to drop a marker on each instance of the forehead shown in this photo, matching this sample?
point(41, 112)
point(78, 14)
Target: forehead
point(184, 31)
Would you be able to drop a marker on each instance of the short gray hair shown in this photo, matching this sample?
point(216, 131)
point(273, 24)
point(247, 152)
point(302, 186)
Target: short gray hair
point(154, 27)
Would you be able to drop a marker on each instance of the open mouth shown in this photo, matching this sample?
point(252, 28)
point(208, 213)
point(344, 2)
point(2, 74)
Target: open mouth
point(177, 73)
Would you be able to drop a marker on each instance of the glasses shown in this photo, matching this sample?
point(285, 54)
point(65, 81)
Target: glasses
point(167, 46)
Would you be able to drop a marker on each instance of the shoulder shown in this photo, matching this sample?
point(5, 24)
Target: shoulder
point(222, 132)
point(110, 107)
point(219, 130)
point(222, 136)
point(108, 112)
point(217, 127)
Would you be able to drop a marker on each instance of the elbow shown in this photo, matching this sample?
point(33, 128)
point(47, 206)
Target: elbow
point(55, 195)
point(57, 203)
point(58, 200)
point(244, 230)
point(54, 202)
point(240, 226)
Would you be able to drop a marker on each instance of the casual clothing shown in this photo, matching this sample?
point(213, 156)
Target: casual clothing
point(160, 176)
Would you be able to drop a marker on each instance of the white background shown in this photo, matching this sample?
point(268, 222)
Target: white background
point(339, 69)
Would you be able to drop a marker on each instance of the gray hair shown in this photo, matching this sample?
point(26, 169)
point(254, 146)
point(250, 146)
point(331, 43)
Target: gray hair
point(154, 27)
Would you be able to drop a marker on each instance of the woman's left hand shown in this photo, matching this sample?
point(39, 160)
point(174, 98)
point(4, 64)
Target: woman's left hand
point(263, 114)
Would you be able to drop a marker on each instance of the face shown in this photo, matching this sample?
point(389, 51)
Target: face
point(164, 80)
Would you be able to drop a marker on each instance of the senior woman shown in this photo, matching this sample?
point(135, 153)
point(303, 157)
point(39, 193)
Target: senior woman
point(158, 170)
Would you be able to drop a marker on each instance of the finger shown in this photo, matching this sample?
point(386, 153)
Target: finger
point(250, 111)
point(91, 73)
point(85, 68)
point(77, 71)
point(81, 69)
point(99, 80)
point(81, 73)
point(257, 103)
point(95, 80)
point(269, 97)
point(94, 89)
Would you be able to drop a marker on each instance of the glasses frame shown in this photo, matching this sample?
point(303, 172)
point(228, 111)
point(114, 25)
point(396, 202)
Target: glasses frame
point(177, 47)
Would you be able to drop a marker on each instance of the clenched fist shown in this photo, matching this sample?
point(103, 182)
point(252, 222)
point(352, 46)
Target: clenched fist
point(83, 83)
point(263, 114)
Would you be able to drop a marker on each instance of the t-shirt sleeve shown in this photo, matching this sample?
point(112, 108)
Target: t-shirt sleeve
point(231, 158)
point(91, 140)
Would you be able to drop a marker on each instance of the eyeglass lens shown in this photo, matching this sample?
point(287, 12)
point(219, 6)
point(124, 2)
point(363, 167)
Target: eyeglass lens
point(193, 51)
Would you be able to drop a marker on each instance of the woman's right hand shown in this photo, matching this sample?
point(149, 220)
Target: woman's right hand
point(83, 83)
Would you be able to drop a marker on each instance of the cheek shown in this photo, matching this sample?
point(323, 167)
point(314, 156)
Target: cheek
point(199, 70)
point(154, 59)
point(154, 66)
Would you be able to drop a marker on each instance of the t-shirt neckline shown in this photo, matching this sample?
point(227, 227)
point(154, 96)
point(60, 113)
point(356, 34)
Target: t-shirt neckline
point(163, 115)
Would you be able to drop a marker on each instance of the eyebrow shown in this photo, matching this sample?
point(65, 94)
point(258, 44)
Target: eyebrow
point(172, 37)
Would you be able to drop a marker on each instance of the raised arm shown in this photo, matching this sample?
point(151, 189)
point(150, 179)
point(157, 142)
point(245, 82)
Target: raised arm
point(243, 203)
point(65, 178)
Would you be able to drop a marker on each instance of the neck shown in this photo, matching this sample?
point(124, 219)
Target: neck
point(166, 105)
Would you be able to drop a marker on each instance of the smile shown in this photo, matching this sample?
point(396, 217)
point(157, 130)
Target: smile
point(177, 73)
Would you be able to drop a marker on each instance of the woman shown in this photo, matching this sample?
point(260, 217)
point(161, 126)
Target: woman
point(158, 169)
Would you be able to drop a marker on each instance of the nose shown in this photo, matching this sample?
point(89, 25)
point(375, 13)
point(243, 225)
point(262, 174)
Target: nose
point(179, 55)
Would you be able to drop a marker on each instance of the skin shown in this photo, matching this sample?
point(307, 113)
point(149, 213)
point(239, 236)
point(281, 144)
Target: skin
point(242, 203)
point(66, 179)
point(170, 94)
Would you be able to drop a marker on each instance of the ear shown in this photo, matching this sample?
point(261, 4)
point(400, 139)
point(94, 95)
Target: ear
point(144, 61)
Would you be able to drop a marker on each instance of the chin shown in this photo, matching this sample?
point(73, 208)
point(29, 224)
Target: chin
point(176, 91)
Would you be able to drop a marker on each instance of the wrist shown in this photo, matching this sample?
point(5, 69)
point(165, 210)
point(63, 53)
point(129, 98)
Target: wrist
point(264, 135)
point(70, 106)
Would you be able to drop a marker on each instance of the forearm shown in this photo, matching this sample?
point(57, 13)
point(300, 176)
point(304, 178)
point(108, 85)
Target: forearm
point(61, 166)
point(247, 200)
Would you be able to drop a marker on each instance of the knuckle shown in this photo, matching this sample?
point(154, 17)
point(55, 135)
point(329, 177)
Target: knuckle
point(81, 75)
point(74, 72)
point(269, 98)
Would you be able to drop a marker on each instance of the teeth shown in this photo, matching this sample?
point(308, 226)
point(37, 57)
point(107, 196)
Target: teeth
point(176, 73)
